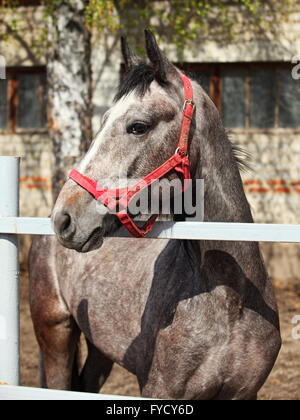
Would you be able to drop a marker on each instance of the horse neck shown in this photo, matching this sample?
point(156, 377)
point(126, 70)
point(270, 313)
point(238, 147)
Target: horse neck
point(225, 200)
point(224, 197)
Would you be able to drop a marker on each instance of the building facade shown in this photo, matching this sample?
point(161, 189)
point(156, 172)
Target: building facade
point(255, 83)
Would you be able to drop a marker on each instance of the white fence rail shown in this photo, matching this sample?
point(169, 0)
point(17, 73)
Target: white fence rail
point(24, 393)
point(169, 230)
point(11, 226)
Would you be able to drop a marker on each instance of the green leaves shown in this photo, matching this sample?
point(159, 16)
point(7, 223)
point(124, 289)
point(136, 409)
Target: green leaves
point(175, 22)
point(102, 15)
point(178, 21)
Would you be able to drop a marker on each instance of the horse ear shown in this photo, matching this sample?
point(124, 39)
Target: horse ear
point(130, 58)
point(156, 56)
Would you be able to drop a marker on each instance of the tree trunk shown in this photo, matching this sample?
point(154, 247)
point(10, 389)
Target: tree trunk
point(69, 87)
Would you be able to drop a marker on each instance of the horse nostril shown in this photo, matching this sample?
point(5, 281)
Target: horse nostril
point(65, 222)
point(63, 225)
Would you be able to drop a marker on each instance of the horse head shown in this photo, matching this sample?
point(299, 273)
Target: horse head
point(139, 133)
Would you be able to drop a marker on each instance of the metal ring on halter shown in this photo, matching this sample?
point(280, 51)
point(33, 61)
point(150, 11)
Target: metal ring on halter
point(180, 152)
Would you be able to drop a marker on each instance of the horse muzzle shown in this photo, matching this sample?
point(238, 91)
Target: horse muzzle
point(80, 230)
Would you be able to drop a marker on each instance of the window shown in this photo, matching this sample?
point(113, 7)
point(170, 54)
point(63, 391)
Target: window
point(233, 98)
point(252, 95)
point(23, 100)
point(3, 104)
point(263, 99)
point(289, 100)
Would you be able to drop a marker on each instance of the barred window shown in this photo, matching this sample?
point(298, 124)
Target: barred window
point(252, 95)
point(23, 100)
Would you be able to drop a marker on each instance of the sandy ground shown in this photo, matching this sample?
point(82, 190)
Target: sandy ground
point(283, 383)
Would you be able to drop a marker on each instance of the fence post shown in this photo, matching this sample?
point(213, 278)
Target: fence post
point(9, 274)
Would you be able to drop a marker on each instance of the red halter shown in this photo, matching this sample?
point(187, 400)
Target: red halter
point(113, 198)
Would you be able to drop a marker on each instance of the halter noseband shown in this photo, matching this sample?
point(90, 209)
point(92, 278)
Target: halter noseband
point(120, 198)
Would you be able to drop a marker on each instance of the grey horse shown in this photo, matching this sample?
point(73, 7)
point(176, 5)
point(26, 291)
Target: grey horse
point(191, 319)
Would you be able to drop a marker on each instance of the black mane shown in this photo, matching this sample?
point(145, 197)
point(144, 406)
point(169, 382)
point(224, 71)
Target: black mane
point(139, 78)
point(243, 158)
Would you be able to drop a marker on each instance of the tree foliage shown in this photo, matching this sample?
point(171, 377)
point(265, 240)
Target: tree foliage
point(177, 21)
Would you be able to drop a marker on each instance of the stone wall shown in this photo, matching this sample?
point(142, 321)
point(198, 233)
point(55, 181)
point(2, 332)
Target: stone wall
point(35, 181)
point(273, 191)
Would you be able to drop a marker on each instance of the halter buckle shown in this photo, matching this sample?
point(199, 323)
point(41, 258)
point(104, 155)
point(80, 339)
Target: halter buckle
point(187, 101)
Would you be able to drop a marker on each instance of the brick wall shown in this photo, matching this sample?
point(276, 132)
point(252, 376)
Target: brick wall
point(35, 181)
point(273, 191)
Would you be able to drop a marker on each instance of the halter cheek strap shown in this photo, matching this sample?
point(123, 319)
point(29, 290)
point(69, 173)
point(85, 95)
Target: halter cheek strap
point(115, 199)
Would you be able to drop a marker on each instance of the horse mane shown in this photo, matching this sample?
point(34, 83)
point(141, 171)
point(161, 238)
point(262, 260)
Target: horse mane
point(139, 79)
point(242, 158)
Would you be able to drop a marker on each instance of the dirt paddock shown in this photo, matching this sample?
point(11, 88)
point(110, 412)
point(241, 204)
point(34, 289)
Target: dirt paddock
point(283, 383)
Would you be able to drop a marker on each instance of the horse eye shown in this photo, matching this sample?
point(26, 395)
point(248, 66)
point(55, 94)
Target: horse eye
point(138, 128)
